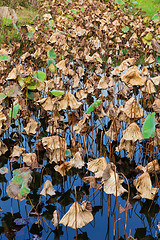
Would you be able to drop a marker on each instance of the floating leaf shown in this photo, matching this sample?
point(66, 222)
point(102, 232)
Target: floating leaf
point(148, 129)
point(93, 106)
point(56, 93)
point(13, 111)
point(40, 75)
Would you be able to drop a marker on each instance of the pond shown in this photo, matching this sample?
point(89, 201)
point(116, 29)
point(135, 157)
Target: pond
point(80, 124)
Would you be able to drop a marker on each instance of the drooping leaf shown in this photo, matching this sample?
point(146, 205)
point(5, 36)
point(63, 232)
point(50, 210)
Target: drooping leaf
point(148, 129)
point(56, 93)
point(13, 111)
point(40, 75)
point(93, 106)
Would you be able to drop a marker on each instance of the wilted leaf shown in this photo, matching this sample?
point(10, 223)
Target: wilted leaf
point(18, 186)
point(97, 166)
point(3, 170)
point(31, 127)
point(76, 217)
point(144, 186)
point(48, 189)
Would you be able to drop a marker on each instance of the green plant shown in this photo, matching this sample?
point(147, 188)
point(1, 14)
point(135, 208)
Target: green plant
point(148, 129)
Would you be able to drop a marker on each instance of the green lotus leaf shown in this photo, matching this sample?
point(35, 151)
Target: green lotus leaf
point(148, 129)
point(13, 111)
point(93, 106)
point(56, 93)
point(40, 75)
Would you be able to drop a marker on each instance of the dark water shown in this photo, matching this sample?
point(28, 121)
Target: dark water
point(142, 219)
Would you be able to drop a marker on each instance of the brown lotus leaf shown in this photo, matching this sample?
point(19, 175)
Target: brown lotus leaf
point(126, 63)
point(76, 81)
point(128, 146)
point(49, 85)
point(13, 90)
point(132, 133)
point(111, 111)
point(86, 205)
point(81, 94)
point(30, 159)
point(158, 225)
point(80, 31)
point(3, 148)
point(97, 166)
point(66, 166)
point(76, 217)
point(111, 181)
point(40, 86)
point(152, 166)
point(100, 111)
point(55, 155)
point(121, 209)
point(156, 80)
point(17, 151)
point(145, 71)
point(69, 101)
point(55, 219)
point(97, 57)
point(3, 170)
point(81, 124)
point(61, 65)
point(73, 118)
point(106, 82)
point(46, 103)
point(130, 238)
point(48, 189)
point(150, 59)
point(132, 76)
point(156, 139)
point(122, 116)
point(156, 106)
point(88, 87)
point(144, 186)
point(31, 127)
point(92, 181)
point(77, 161)
point(116, 71)
point(54, 142)
point(25, 55)
point(47, 16)
point(149, 87)
point(114, 130)
point(132, 109)
point(12, 74)
point(80, 72)
point(53, 129)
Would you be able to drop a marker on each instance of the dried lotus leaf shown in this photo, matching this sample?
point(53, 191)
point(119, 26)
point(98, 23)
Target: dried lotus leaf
point(132, 133)
point(76, 217)
point(97, 166)
point(144, 186)
point(48, 189)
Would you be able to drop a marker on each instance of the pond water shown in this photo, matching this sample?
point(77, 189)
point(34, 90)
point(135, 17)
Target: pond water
point(18, 218)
